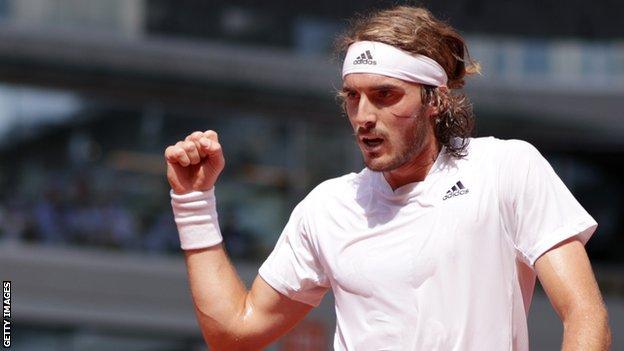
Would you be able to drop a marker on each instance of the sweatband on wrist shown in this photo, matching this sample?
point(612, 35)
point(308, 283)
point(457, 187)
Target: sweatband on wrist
point(387, 60)
point(195, 214)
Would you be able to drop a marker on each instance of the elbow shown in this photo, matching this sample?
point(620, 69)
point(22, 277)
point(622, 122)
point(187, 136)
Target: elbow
point(225, 343)
point(593, 321)
point(219, 336)
point(220, 340)
point(231, 343)
point(606, 328)
point(226, 337)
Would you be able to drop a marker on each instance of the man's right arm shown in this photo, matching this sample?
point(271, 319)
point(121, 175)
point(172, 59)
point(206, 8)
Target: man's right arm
point(230, 316)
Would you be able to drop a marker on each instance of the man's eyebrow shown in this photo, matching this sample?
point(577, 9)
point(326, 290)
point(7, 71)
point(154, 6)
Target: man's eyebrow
point(385, 87)
point(374, 87)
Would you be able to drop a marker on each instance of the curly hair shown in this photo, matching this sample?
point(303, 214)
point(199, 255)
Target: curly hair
point(417, 31)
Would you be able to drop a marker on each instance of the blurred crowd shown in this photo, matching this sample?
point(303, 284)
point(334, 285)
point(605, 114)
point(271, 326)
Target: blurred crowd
point(76, 214)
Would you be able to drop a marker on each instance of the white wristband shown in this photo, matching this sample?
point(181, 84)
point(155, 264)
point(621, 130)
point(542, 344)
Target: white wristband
point(195, 214)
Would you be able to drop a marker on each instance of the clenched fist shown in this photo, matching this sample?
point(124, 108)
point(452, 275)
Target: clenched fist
point(195, 163)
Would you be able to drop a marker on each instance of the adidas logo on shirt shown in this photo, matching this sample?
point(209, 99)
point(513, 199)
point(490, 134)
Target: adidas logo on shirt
point(365, 59)
point(456, 190)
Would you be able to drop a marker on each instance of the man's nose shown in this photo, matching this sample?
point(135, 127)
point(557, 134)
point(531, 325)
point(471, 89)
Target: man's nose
point(366, 114)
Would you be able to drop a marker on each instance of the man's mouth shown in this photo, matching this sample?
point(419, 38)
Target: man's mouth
point(372, 143)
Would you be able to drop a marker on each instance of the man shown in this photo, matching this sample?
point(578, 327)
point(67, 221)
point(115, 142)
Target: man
point(435, 245)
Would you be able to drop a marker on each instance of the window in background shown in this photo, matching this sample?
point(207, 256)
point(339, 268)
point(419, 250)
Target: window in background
point(4, 9)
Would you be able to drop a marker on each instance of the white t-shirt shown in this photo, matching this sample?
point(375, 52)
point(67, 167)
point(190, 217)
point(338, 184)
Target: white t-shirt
point(442, 264)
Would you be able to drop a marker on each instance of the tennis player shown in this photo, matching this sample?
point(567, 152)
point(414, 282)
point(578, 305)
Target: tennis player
point(435, 245)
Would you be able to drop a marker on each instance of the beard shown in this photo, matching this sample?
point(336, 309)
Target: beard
point(412, 143)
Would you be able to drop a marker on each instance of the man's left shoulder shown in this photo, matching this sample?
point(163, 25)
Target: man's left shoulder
point(488, 144)
point(494, 149)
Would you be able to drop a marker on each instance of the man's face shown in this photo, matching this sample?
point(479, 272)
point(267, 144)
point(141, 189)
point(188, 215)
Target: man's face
point(391, 124)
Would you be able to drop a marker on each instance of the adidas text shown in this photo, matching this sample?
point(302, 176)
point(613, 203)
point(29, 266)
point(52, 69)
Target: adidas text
point(360, 61)
point(365, 58)
point(455, 193)
point(456, 190)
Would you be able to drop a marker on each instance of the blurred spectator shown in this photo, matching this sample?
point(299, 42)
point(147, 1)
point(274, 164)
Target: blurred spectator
point(48, 218)
point(162, 235)
point(121, 227)
point(239, 243)
point(15, 222)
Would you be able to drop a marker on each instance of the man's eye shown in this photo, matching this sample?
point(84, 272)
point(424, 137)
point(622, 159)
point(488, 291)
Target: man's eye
point(385, 93)
point(351, 95)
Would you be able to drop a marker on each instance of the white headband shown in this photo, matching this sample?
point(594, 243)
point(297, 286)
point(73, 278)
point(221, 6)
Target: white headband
point(387, 60)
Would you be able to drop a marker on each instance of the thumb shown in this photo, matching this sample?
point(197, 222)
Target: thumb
point(210, 147)
point(214, 153)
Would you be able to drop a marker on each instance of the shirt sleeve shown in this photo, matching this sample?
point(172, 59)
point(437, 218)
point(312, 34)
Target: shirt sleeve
point(293, 268)
point(538, 209)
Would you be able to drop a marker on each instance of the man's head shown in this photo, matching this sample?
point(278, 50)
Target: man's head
point(410, 109)
point(388, 117)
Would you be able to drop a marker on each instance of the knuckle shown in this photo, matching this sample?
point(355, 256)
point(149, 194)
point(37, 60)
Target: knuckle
point(194, 136)
point(211, 134)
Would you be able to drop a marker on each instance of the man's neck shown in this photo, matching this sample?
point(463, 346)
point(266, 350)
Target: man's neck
point(415, 170)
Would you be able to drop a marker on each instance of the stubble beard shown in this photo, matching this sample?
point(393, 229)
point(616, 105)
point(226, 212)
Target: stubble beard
point(413, 143)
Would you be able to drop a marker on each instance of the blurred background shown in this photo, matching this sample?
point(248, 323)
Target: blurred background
point(91, 93)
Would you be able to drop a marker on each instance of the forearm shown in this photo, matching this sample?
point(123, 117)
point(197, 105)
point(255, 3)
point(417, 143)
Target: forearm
point(230, 316)
point(218, 294)
point(586, 330)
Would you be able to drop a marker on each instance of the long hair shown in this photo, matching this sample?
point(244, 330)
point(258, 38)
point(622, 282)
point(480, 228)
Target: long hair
point(417, 31)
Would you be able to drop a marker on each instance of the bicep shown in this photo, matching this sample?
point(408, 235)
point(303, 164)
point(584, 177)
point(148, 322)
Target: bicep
point(269, 314)
point(567, 277)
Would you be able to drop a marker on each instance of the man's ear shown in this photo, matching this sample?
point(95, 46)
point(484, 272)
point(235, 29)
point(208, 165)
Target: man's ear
point(434, 109)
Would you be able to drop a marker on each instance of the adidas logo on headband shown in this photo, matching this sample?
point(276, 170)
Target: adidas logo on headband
point(365, 59)
point(391, 61)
